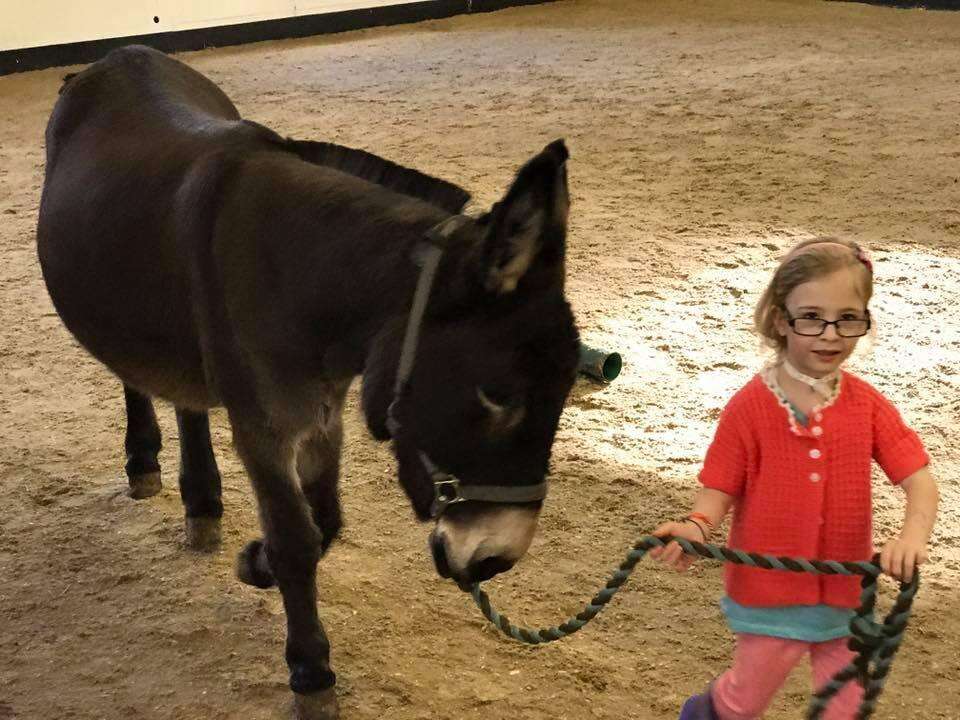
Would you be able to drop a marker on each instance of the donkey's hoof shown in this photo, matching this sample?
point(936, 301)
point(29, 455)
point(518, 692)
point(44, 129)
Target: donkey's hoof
point(253, 567)
point(144, 486)
point(202, 533)
point(320, 705)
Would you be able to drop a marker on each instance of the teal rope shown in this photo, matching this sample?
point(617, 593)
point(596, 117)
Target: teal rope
point(875, 644)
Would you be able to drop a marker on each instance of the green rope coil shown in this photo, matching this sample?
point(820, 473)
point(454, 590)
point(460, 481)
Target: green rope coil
point(875, 644)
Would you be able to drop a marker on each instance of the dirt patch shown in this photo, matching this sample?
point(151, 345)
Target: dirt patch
point(706, 137)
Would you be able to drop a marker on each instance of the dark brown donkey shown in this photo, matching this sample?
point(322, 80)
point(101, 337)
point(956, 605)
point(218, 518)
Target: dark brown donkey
point(208, 261)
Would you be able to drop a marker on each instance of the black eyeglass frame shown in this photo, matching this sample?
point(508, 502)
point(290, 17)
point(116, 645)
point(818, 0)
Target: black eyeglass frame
point(791, 321)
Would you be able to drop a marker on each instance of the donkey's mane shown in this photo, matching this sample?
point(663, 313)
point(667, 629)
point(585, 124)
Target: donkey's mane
point(362, 164)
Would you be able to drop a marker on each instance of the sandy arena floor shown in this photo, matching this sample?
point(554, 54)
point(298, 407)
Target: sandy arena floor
point(706, 138)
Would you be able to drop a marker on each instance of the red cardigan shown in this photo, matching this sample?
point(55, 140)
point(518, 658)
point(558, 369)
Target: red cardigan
point(805, 493)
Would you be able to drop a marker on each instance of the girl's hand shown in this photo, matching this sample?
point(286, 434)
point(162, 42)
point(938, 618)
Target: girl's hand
point(672, 555)
point(901, 555)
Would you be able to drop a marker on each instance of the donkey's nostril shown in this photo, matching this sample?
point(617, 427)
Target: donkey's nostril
point(488, 568)
point(439, 555)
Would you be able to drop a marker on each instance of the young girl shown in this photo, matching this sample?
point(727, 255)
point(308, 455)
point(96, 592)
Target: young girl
point(792, 456)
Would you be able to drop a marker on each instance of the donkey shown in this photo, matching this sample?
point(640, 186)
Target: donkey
point(208, 261)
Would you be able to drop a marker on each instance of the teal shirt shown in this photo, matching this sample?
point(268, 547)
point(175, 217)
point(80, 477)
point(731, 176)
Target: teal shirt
point(809, 623)
point(801, 418)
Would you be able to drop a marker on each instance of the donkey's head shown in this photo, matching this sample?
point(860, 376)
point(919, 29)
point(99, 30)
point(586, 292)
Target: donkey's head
point(496, 357)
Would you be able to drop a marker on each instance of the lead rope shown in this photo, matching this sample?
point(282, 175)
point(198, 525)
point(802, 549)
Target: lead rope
point(876, 644)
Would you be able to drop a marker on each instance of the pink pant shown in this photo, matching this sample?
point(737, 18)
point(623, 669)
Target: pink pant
point(761, 665)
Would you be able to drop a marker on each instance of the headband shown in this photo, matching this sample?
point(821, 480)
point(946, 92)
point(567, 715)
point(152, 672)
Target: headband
point(858, 252)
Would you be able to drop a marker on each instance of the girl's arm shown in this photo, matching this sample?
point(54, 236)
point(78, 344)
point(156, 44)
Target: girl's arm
point(901, 555)
point(710, 503)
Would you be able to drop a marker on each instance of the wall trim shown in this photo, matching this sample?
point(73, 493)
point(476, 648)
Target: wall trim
point(37, 58)
point(911, 4)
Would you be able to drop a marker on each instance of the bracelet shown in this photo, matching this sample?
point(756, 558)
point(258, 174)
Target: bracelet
point(700, 516)
point(703, 532)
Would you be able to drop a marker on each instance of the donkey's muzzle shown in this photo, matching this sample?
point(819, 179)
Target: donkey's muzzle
point(480, 567)
point(439, 555)
point(488, 568)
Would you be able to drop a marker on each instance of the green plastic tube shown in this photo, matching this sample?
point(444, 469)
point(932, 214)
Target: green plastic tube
point(598, 364)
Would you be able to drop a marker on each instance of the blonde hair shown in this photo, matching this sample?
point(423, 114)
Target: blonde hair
point(809, 260)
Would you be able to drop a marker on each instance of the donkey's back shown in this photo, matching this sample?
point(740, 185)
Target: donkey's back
point(134, 89)
point(121, 142)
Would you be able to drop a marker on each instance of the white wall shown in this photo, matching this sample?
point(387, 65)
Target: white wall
point(31, 23)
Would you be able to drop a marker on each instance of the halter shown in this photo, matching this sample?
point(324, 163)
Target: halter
point(448, 489)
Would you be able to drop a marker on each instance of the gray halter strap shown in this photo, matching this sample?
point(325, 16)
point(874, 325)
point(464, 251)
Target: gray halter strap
point(447, 488)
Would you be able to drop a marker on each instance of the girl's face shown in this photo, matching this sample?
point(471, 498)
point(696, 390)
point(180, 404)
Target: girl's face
point(831, 297)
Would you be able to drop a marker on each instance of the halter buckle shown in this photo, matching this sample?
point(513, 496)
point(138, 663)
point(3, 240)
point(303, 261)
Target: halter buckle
point(446, 491)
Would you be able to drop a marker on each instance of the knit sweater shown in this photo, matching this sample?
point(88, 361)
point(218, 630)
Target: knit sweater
point(805, 492)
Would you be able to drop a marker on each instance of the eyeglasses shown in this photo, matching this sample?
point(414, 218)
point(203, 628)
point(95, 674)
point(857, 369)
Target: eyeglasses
point(814, 326)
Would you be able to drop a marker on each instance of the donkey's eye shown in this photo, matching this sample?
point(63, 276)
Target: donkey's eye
point(496, 401)
point(504, 412)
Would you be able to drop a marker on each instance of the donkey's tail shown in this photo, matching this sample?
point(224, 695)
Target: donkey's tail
point(66, 79)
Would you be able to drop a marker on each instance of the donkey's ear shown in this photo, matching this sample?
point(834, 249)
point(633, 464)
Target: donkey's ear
point(527, 229)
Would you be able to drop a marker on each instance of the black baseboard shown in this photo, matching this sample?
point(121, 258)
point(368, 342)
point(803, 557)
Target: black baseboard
point(36, 58)
point(905, 5)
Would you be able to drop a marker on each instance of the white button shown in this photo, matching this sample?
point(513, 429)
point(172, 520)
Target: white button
point(817, 430)
point(818, 417)
point(815, 454)
point(814, 477)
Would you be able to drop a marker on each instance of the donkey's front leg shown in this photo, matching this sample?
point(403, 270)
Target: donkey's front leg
point(292, 547)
